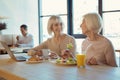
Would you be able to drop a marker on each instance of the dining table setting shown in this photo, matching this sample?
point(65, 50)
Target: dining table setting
point(53, 70)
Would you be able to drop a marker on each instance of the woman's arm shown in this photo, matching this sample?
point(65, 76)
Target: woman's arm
point(110, 55)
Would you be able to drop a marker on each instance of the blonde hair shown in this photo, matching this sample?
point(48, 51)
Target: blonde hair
point(93, 22)
point(53, 20)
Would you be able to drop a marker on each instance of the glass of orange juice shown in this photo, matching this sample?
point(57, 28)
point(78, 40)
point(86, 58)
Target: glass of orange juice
point(80, 60)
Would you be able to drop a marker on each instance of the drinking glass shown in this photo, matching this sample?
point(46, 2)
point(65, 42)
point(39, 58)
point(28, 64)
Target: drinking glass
point(80, 60)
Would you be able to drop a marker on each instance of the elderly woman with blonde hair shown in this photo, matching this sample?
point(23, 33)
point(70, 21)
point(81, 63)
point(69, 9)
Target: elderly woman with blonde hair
point(59, 40)
point(99, 50)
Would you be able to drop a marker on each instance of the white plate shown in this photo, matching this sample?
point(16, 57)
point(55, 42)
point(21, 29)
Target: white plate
point(33, 62)
point(64, 64)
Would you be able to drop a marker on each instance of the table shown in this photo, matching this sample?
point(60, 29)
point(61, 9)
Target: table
point(12, 70)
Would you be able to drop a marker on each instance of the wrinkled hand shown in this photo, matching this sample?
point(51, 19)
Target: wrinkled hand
point(92, 61)
point(66, 54)
point(39, 53)
point(53, 55)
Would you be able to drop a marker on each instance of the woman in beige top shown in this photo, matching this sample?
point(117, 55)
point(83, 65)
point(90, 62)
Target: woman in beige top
point(58, 42)
point(99, 50)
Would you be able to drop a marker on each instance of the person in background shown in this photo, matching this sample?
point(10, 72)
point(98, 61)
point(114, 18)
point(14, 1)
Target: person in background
point(59, 40)
point(99, 50)
point(26, 39)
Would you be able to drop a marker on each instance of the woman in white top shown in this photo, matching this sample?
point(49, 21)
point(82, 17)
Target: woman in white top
point(59, 40)
point(99, 50)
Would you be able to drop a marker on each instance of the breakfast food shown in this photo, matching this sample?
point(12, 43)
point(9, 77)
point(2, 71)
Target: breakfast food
point(66, 57)
point(35, 56)
point(66, 54)
point(35, 59)
point(69, 46)
point(65, 61)
point(31, 52)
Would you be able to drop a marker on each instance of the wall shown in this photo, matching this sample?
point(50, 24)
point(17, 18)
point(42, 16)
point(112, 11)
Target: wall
point(19, 12)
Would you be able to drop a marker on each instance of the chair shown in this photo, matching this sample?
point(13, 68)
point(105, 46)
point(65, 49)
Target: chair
point(9, 39)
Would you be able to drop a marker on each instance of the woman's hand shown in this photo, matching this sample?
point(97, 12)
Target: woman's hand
point(39, 53)
point(92, 61)
point(66, 54)
point(53, 55)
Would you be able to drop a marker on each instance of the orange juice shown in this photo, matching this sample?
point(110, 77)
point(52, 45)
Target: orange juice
point(80, 60)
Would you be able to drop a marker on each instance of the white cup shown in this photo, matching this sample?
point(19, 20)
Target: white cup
point(45, 53)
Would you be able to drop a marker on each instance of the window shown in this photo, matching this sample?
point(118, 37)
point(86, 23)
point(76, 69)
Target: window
point(111, 17)
point(82, 7)
point(48, 8)
point(18, 12)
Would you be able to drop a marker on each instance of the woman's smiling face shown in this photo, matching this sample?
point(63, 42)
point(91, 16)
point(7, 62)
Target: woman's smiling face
point(57, 27)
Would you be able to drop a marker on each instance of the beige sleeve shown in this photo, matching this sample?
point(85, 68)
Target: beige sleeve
point(110, 55)
point(43, 45)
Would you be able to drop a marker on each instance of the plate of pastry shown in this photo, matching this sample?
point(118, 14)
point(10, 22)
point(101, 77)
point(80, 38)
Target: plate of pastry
point(33, 60)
